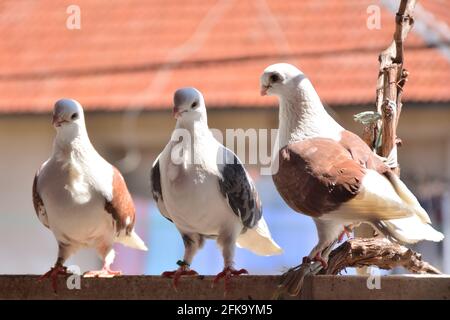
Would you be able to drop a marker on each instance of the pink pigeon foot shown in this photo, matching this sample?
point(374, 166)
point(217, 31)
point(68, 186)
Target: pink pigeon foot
point(106, 272)
point(182, 271)
point(228, 273)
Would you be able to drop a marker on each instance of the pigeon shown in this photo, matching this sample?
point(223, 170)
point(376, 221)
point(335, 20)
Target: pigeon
point(330, 174)
point(204, 189)
point(82, 198)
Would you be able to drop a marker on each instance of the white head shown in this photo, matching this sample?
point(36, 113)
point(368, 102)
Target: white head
point(68, 119)
point(302, 114)
point(189, 106)
point(280, 79)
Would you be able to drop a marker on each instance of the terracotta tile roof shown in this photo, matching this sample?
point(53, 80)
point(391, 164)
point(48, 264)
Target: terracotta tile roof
point(134, 54)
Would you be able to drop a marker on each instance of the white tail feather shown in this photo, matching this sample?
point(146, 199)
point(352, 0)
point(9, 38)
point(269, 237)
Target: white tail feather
point(409, 230)
point(132, 240)
point(259, 241)
point(391, 207)
point(407, 196)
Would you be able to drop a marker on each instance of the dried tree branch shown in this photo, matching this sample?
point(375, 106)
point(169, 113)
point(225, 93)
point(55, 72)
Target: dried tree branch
point(392, 78)
point(378, 252)
point(390, 83)
point(389, 111)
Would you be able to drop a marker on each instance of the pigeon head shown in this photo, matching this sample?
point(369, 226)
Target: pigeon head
point(68, 118)
point(188, 105)
point(278, 79)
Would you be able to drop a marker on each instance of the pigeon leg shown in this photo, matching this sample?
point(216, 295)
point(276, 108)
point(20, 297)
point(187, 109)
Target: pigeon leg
point(192, 243)
point(328, 232)
point(108, 255)
point(228, 246)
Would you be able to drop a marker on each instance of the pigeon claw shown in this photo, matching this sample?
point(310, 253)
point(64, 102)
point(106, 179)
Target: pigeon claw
point(104, 273)
point(317, 257)
point(177, 274)
point(53, 274)
point(322, 261)
point(228, 273)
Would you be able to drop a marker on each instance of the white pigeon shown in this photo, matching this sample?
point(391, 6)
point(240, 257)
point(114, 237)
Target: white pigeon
point(204, 189)
point(330, 174)
point(82, 198)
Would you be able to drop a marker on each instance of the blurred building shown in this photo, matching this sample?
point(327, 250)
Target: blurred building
point(127, 58)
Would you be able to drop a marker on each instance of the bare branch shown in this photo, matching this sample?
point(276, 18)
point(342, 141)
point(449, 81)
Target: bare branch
point(379, 252)
point(390, 89)
point(392, 78)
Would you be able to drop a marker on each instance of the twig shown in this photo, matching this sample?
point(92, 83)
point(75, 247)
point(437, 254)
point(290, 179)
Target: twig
point(391, 80)
point(378, 252)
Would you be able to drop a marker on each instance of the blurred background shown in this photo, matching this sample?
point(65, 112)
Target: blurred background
point(122, 60)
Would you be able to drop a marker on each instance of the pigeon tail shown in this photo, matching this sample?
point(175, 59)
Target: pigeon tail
point(408, 230)
point(411, 229)
point(259, 241)
point(408, 197)
point(132, 240)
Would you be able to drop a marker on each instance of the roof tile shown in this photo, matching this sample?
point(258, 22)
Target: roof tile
point(135, 54)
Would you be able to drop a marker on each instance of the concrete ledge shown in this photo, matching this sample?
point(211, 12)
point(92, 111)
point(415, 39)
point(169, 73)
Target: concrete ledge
point(246, 287)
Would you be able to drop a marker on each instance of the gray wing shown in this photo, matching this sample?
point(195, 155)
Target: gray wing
point(155, 188)
point(38, 203)
point(238, 188)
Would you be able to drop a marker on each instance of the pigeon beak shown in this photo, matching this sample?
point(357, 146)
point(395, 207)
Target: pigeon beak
point(57, 121)
point(264, 89)
point(176, 112)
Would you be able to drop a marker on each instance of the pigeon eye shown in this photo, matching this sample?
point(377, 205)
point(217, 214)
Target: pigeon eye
point(74, 116)
point(274, 78)
point(193, 105)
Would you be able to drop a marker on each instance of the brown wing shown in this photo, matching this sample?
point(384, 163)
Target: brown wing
point(121, 206)
point(39, 204)
point(361, 152)
point(317, 175)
